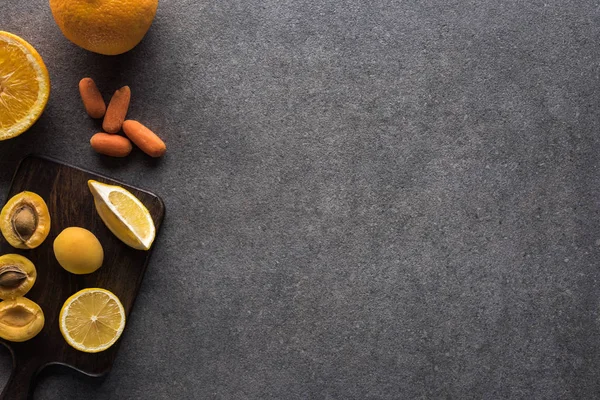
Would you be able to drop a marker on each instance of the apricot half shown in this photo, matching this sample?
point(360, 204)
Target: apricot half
point(20, 319)
point(17, 276)
point(25, 221)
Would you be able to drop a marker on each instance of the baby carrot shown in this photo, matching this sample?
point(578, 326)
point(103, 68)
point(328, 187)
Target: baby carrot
point(111, 145)
point(117, 110)
point(144, 138)
point(91, 97)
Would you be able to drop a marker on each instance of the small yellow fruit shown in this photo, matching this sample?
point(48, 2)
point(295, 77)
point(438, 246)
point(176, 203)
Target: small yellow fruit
point(78, 251)
point(92, 320)
point(107, 27)
point(24, 85)
point(17, 276)
point(25, 220)
point(20, 319)
point(124, 214)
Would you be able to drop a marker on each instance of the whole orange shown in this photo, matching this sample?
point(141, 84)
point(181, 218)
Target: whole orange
point(104, 26)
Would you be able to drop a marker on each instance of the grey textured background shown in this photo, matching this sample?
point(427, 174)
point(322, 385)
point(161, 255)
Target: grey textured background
point(365, 199)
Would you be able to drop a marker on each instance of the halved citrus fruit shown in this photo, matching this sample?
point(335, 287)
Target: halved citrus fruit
point(24, 85)
point(124, 214)
point(92, 320)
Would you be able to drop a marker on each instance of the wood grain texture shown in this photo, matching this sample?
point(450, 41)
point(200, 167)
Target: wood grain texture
point(65, 190)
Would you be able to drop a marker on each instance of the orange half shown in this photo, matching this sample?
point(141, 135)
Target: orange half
point(24, 85)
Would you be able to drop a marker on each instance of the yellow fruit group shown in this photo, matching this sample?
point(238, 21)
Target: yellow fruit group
point(92, 320)
point(24, 85)
point(20, 319)
point(25, 220)
point(78, 251)
point(107, 27)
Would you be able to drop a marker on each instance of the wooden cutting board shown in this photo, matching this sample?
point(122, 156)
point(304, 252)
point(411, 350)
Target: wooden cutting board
point(65, 190)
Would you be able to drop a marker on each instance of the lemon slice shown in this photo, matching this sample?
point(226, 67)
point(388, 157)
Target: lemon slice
point(92, 320)
point(124, 214)
point(24, 85)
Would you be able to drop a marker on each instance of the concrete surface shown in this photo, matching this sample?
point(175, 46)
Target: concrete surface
point(365, 199)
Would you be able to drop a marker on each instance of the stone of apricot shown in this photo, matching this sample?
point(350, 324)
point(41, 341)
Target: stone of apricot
point(20, 319)
point(17, 276)
point(25, 221)
point(78, 251)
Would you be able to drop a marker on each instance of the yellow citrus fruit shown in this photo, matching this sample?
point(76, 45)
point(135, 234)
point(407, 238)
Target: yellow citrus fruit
point(124, 214)
point(24, 85)
point(92, 320)
point(104, 26)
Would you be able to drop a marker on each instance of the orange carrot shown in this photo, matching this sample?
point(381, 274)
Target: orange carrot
point(117, 110)
point(111, 145)
point(144, 138)
point(91, 97)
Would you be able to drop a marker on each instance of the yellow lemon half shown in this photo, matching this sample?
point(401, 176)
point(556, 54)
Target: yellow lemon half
point(107, 27)
point(92, 320)
point(124, 214)
point(24, 85)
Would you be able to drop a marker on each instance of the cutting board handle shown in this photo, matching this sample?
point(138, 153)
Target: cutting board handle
point(20, 384)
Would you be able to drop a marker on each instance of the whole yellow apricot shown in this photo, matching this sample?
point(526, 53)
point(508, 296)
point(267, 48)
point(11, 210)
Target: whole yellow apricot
point(78, 251)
